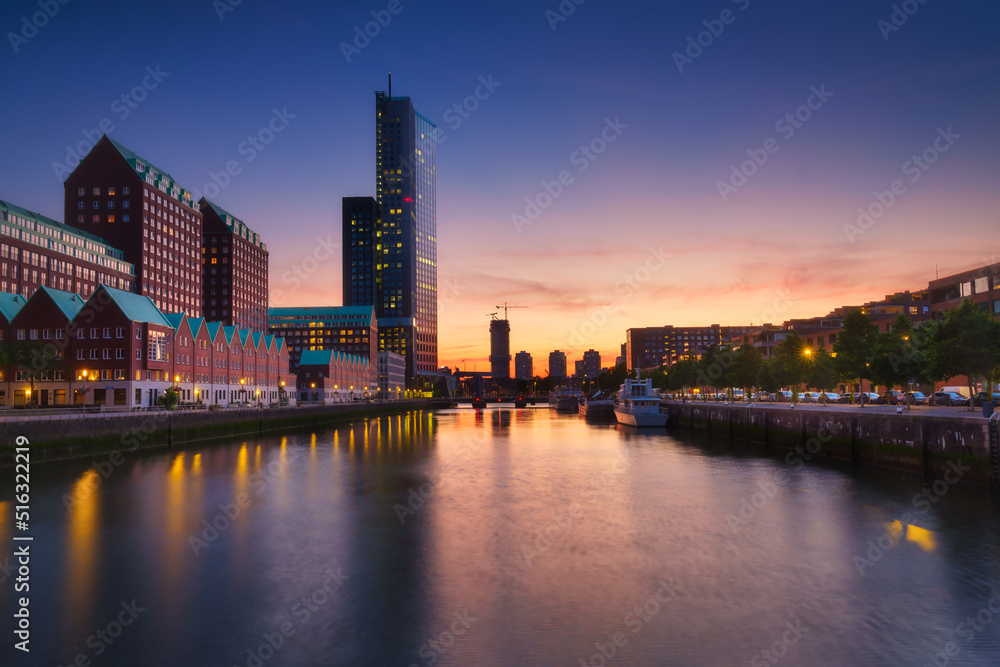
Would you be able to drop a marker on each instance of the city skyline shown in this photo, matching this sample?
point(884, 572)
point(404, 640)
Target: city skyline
point(688, 196)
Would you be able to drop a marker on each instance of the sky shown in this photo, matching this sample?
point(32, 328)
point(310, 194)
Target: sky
point(607, 165)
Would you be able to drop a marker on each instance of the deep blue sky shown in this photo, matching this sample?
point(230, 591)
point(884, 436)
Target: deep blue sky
point(656, 185)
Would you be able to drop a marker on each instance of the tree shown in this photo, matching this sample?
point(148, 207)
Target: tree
point(966, 343)
point(766, 379)
point(897, 359)
point(789, 363)
point(820, 372)
point(855, 347)
point(713, 366)
point(746, 368)
point(682, 374)
point(612, 380)
point(32, 360)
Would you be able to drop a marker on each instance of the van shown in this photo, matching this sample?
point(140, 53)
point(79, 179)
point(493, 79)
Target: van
point(961, 391)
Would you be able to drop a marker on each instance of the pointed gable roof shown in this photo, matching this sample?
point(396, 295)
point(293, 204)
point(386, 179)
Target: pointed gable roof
point(11, 304)
point(69, 303)
point(135, 307)
point(213, 329)
point(316, 358)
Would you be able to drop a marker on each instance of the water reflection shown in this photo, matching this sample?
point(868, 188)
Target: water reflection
point(535, 535)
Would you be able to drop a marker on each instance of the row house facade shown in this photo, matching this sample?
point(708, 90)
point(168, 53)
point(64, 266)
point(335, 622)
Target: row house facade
point(329, 376)
point(117, 348)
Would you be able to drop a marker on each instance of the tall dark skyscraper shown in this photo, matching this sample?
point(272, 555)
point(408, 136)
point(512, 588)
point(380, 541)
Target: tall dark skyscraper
point(362, 251)
point(406, 273)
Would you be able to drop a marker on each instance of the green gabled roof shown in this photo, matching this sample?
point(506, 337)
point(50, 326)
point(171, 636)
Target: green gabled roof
point(268, 341)
point(316, 358)
point(158, 174)
point(137, 308)
point(229, 332)
point(235, 225)
point(195, 323)
point(11, 304)
point(213, 329)
point(256, 339)
point(175, 319)
point(68, 302)
point(244, 334)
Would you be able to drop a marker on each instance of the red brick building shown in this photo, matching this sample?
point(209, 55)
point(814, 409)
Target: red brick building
point(37, 251)
point(141, 210)
point(234, 270)
point(118, 349)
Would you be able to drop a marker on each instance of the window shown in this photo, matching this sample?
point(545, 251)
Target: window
point(106, 354)
point(93, 353)
point(119, 332)
point(982, 285)
point(20, 334)
point(138, 355)
point(119, 353)
point(138, 334)
point(79, 354)
point(33, 334)
point(107, 332)
point(157, 346)
point(93, 332)
point(97, 192)
point(81, 191)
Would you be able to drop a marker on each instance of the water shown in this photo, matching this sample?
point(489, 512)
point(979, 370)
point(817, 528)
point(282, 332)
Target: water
point(499, 538)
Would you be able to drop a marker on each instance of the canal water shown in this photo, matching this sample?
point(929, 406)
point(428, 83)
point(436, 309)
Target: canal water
point(501, 537)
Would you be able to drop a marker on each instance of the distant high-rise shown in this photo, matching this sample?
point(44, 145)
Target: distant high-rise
point(557, 364)
point(523, 366)
point(406, 270)
point(362, 250)
point(500, 349)
point(591, 364)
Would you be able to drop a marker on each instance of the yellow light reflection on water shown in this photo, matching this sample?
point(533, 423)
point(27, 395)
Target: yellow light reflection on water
point(81, 549)
point(895, 530)
point(921, 536)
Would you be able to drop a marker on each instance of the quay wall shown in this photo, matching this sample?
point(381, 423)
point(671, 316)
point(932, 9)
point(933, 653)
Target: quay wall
point(914, 443)
point(54, 439)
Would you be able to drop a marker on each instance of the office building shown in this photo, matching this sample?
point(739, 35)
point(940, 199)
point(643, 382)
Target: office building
point(349, 330)
point(523, 366)
point(36, 251)
point(141, 210)
point(360, 227)
point(234, 270)
point(406, 193)
point(391, 374)
point(652, 347)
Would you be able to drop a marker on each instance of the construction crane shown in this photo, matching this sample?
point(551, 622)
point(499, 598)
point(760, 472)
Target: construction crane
point(505, 307)
point(493, 315)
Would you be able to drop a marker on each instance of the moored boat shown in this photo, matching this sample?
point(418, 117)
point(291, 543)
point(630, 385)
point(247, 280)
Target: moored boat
point(598, 406)
point(638, 404)
point(564, 399)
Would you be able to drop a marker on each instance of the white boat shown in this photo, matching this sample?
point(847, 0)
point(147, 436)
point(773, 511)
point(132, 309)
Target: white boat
point(638, 404)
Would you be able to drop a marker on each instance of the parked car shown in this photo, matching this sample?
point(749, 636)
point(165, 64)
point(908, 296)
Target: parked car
point(809, 397)
point(783, 396)
point(949, 398)
point(891, 397)
point(981, 396)
point(832, 397)
point(864, 397)
point(846, 397)
point(917, 398)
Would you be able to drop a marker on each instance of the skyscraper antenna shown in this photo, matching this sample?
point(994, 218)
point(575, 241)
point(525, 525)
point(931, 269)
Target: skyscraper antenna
point(390, 85)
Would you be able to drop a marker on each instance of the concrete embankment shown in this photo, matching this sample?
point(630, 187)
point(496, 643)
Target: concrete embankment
point(54, 439)
point(920, 444)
